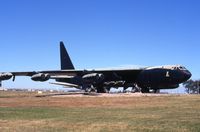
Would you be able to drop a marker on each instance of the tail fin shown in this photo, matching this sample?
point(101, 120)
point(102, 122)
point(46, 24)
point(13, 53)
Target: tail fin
point(65, 60)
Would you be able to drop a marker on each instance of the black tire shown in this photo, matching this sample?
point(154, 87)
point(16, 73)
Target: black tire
point(156, 90)
point(145, 90)
point(102, 90)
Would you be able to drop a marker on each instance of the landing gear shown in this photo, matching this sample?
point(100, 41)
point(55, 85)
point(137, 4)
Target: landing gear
point(145, 90)
point(90, 89)
point(103, 89)
point(156, 90)
point(97, 89)
point(135, 89)
point(124, 89)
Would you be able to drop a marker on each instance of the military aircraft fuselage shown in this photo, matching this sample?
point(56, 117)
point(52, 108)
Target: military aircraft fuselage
point(161, 77)
point(158, 77)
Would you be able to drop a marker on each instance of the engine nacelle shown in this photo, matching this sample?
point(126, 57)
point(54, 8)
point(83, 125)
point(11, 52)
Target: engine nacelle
point(40, 77)
point(5, 76)
point(93, 78)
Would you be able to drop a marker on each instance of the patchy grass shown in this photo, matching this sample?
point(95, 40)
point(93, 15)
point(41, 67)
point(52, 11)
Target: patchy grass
point(97, 114)
point(12, 94)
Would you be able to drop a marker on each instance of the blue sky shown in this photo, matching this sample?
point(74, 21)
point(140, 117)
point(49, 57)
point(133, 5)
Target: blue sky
point(98, 33)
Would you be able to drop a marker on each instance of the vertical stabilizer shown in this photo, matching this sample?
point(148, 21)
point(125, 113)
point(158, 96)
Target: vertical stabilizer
point(65, 60)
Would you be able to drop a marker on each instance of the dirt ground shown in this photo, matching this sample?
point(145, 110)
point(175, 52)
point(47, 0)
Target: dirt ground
point(77, 112)
point(72, 99)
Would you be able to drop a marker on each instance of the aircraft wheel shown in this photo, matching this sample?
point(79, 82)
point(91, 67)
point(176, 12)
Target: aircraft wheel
point(124, 90)
point(145, 90)
point(90, 89)
point(133, 90)
point(102, 90)
point(156, 91)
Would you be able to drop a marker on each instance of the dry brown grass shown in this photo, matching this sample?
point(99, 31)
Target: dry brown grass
point(26, 112)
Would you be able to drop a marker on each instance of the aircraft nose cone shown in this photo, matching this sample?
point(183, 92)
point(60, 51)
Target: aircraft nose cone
point(187, 75)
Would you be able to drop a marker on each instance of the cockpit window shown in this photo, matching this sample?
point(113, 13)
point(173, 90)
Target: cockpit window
point(182, 68)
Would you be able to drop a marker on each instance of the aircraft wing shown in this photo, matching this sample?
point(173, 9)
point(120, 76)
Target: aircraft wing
point(56, 74)
point(23, 73)
point(65, 74)
point(68, 76)
point(124, 74)
point(8, 75)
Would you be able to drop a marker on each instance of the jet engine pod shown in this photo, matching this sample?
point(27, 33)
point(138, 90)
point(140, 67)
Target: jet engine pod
point(40, 77)
point(93, 77)
point(5, 76)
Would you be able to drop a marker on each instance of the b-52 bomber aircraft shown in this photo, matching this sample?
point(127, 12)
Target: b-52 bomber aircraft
point(146, 79)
